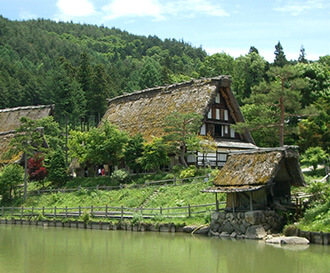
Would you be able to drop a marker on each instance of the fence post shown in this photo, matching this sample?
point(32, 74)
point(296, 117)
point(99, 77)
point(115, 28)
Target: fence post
point(54, 211)
point(66, 211)
point(79, 211)
point(160, 210)
point(43, 211)
point(122, 213)
point(142, 210)
point(2, 211)
point(92, 210)
point(189, 211)
point(12, 211)
point(22, 212)
point(32, 209)
point(174, 180)
point(106, 211)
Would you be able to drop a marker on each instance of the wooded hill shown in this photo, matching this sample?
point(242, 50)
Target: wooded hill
point(78, 66)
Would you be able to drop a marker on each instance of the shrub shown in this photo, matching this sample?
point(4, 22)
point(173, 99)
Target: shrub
point(137, 218)
point(120, 176)
point(189, 172)
point(85, 217)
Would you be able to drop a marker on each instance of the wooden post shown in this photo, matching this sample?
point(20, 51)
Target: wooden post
point(106, 211)
point(251, 199)
point(22, 209)
point(122, 213)
point(189, 211)
point(233, 201)
point(79, 211)
point(43, 211)
point(141, 210)
point(92, 210)
point(216, 202)
point(160, 210)
point(66, 211)
point(12, 211)
point(32, 210)
point(54, 211)
point(174, 181)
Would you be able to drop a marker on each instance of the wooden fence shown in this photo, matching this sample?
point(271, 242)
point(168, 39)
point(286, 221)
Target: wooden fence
point(169, 182)
point(107, 211)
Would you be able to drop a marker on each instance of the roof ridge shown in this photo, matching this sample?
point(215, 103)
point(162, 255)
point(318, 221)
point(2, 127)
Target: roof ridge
point(170, 87)
point(32, 107)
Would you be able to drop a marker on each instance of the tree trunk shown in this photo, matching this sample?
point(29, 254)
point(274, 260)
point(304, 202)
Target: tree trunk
point(182, 158)
point(25, 175)
point(282, 122)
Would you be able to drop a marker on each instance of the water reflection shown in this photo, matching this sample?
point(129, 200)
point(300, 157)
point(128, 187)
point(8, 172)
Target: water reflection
point(38, 249)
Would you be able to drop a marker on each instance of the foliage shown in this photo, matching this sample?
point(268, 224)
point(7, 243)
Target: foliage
point(189, 172)
point(133, 151)
point(85, 217)
point(10, 176)
point(281, 100)
point(137, 218)
point(36, 169)
point(57, 169)
point(315, 129)
point(120, 176)
point(154, 155)
point(317, 216)
point(314, 156)
point(181, 129)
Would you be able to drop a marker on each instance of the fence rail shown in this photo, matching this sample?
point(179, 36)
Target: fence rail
point(169, 182)
point(107, 211)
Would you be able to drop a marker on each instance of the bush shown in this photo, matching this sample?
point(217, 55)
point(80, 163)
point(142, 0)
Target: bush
point(189, 172)
point(120, 176)
point(10, 176)
point(137, 218)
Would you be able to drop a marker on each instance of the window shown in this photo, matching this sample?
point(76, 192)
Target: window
point(203, 130)
point(217, 130)
point(232, 133)
point(225, 114)
point(217, 98)
point(217, 114)
point(209, 115)
point(222, 157)
point(226, 129)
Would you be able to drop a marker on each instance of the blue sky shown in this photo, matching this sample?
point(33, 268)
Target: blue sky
point(216, 25)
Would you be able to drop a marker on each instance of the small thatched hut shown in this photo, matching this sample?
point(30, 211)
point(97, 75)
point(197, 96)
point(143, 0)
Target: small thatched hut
point(10, 121)
point(144, 112)
point(259, 179)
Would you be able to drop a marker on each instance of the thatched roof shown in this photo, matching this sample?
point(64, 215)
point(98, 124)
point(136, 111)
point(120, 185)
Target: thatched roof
point(10, 121)
point(10, 117)
point(144, 111)
point(253, 169)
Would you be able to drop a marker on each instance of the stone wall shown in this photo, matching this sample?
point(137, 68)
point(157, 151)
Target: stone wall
point(250, 225)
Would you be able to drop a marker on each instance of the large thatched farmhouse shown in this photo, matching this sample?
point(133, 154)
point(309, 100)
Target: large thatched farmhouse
point(144, 112)
point(10, 121)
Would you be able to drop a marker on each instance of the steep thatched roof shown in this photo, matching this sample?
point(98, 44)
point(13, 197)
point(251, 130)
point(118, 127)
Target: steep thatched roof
point(10, 121)
point(254, 169)
point(144, 111)
point(10, 117)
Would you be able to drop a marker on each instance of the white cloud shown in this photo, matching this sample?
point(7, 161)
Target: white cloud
point(75, 8)
point(296, 8)
point(26, 15)
point(133, 8)
point(161, 9)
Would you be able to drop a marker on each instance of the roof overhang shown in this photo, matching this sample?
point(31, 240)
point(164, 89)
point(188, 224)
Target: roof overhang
point(233, 189)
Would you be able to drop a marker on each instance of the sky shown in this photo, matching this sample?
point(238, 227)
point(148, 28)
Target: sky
point(230, 26)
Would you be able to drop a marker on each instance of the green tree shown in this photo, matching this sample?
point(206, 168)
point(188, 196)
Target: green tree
point(133, 151)
point(281, 96)
point(10, 176)
point(150, 74)
point(217, 64)
point(280, 59)
point(180, 128)
point(302, 56)
point(27, 140)
point(314, 156)
point(154, 155)
point(314, 130)
point(57, 169)
point(248, 71)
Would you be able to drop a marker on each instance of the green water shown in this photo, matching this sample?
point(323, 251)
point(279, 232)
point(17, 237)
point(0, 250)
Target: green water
point(38, 249)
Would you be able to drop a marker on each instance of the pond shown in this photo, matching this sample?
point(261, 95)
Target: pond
point(40, 249)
